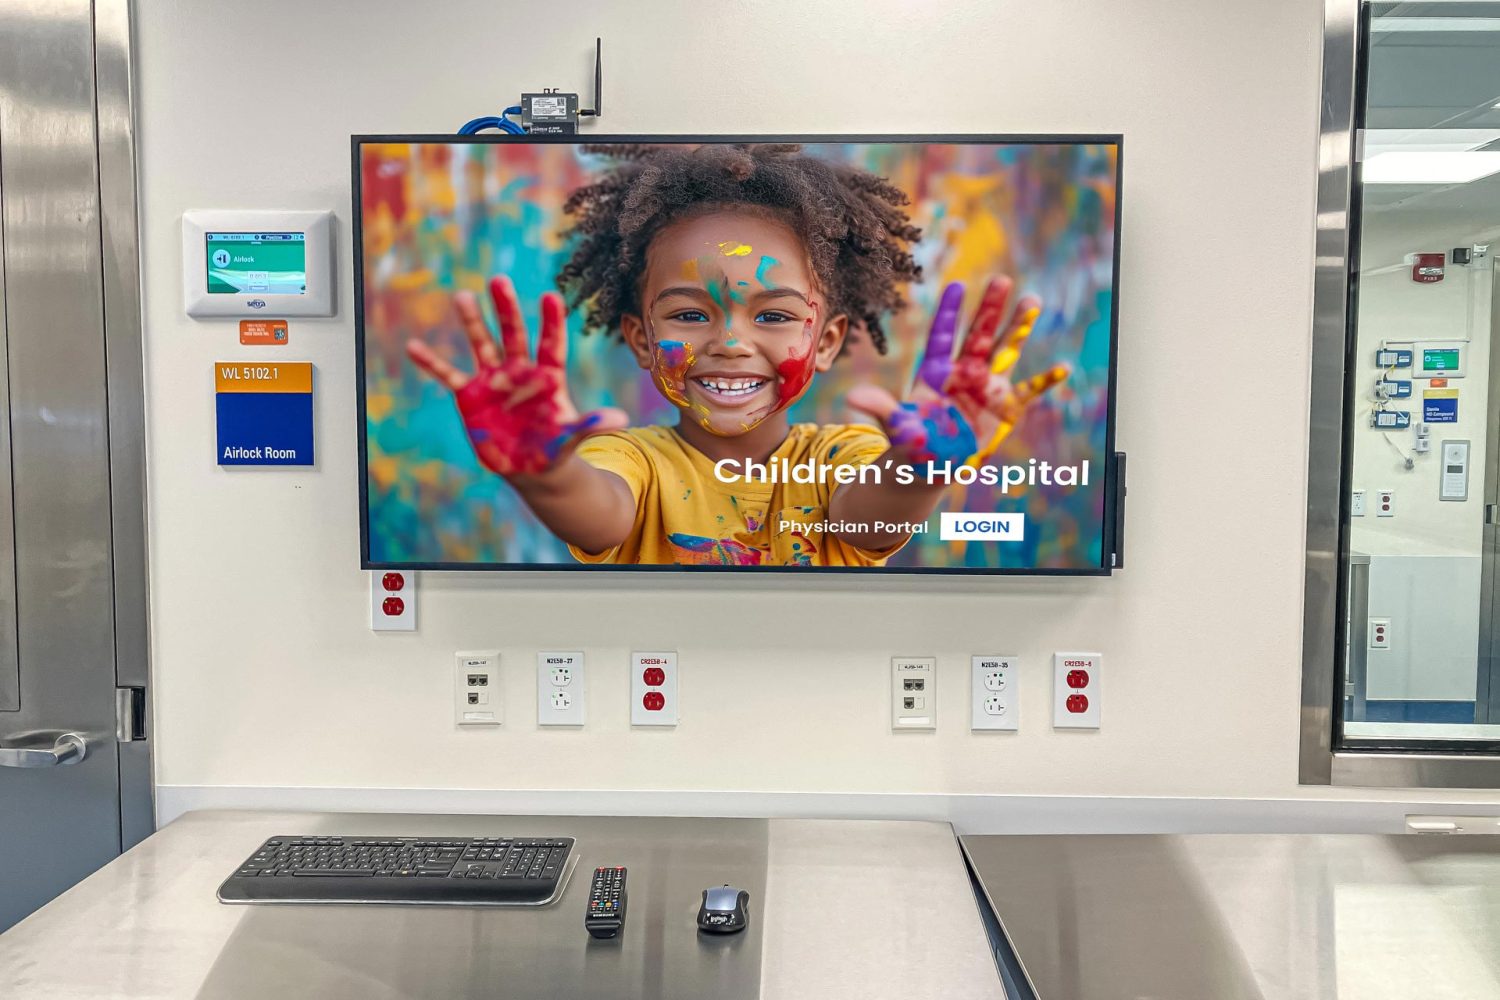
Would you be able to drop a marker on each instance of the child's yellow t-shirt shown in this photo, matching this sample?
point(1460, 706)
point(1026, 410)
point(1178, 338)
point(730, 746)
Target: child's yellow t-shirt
point(686, 515)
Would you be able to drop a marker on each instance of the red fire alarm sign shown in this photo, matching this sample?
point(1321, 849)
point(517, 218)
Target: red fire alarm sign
point(1427, 267)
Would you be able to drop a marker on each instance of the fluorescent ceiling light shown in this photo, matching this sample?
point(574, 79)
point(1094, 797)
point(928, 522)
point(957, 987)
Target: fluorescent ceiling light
point(1444, 24)
point(1408, 167)
point(1374, 141)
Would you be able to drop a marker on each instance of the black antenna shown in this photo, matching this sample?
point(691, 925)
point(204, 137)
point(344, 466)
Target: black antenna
point(598, 108)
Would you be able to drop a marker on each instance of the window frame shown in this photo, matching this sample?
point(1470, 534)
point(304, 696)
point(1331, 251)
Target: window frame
point(1322, 760)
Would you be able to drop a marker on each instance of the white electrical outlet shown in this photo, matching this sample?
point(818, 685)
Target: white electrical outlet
point(1357, 503)
point(913, 692)
point(995, 704)
point(1385, 503)
point(393, 600)
point(560, 699)
point(1380, 633)
point(1076, 690)
point(477, 699)
point(653, 689)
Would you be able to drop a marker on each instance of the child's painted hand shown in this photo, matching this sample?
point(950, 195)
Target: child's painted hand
point(519, 416)
point(961, 408)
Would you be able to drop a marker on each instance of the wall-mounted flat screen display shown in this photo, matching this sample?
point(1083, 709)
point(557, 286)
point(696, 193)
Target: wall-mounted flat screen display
point(845, 354)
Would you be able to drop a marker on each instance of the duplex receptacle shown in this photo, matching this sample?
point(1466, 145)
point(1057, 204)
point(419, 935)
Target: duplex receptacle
point(560, 689)
point(993, 700)
point(653, 689)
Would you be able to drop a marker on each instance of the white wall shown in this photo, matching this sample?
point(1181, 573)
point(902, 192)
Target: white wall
point(1425, 560)
point(1393, 308)
point(266, 673)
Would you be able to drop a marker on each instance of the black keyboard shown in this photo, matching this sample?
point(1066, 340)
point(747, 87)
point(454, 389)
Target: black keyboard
point(475, 871)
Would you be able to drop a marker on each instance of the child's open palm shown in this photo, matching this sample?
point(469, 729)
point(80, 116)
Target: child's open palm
point(961, 408)
point(518, 414)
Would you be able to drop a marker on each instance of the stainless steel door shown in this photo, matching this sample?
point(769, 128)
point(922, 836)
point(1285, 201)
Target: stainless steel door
point(72, 577)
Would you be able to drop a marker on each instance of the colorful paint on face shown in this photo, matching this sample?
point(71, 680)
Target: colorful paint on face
point(670, 361)
point(763, 271)
point(699, 550)
point(795, 373)
point(715, 291)
point(932, 432)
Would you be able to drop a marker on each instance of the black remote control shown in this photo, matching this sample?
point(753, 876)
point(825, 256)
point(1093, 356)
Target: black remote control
point(606, 913)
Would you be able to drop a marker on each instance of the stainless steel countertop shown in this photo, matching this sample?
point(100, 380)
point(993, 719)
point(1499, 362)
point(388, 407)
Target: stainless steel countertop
point(1248, 917)
point(839, 909)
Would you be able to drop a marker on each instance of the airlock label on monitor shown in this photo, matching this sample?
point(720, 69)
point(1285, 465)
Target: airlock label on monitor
point(982, 527)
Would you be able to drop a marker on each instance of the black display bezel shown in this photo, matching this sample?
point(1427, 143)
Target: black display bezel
point(1109, 543)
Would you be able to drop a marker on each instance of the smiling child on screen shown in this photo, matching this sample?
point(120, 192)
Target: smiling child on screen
point(734, 274)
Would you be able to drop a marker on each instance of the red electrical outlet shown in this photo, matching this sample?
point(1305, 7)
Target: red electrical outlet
point(388, 612)
point(653, 689)
point(1076, 690)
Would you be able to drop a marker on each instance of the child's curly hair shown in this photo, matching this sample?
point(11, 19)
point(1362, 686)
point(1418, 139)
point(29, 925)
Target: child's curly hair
point(851, 221)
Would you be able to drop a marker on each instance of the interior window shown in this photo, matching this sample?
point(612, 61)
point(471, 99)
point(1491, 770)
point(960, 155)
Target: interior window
point(1423, 420)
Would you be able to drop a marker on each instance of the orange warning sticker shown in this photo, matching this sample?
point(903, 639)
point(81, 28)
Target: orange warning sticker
point(263, 331)
point(1439, 383)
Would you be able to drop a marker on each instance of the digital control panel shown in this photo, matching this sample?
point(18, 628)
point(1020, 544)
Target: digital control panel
point(257, 263)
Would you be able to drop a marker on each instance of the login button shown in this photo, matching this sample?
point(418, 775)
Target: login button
point(982, 527)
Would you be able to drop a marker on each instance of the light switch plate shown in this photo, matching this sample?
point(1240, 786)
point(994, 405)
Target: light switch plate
point(560, 690)
point(994, 701)
point(477, 698)
point(653, 689)
point(913, 693)
point(1076, 690)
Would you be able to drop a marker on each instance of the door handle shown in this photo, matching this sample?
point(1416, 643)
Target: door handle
point(66, 748)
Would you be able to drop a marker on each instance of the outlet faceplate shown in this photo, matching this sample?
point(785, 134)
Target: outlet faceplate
point(913, 693)
point(995, 703)
point(477, 698)
point(1076, 690)
point(560, 692)
point(653, 689)
point(393, 600)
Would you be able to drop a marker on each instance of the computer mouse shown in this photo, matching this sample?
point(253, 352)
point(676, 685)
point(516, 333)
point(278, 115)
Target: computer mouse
point(725, 910)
